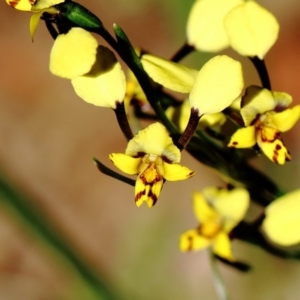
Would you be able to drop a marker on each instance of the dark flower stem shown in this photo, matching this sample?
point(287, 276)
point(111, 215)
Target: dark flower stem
point(262, 71)
point(189, 130)
point(182, 52)
point(107, 171)
point(123, 121)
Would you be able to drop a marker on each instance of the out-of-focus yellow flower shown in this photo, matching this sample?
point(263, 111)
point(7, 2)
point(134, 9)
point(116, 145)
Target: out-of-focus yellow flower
point(265, 116)
point(97, 77)
point(212, 89)
point(282, 222)
point(247, 27)
point(218, 212)
point(205, 28)
point(38, 7)
point(152, 155)
point(182, 115)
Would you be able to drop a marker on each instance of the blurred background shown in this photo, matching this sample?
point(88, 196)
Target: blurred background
point(48, 138)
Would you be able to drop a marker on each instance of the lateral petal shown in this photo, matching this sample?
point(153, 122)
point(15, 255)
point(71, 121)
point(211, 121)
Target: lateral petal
point(286, 119)
point(174, 172)
point(125, 163)
point(243, 138)
point(192, 241)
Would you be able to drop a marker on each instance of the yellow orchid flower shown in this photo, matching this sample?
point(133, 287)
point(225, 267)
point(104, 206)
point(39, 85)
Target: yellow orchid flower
point(97, 77)
point(247, 27)
point(32, 5)
point(282, 222)
point(265, 116)
point(38, 7)
point(218, 212)
point(152, 155)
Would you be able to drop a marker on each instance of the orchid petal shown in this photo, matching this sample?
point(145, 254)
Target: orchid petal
point(154, 139)
point(286, 119)
point(174, 172)
point(173, 76)
point(218, 84)
point(243, 138)
point(105, 84)
point(205, 28)
point(252, 30)
point(125, 163)
point(192, 241)
point(282, 222)
point(73, 54)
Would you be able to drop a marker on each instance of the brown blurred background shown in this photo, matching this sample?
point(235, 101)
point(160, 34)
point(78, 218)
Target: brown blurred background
point(49, 136)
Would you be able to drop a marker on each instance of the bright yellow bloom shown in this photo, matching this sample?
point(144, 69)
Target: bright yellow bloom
point(218, 212)
point(265, 116)
point(247, 27)
point(152, 155)
point(38, 7)
point(97, 77)
point(282, 222)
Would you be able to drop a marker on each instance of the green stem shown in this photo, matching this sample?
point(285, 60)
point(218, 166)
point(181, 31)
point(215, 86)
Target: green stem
point(107, 171)
point(35, 222)
point(217, 278)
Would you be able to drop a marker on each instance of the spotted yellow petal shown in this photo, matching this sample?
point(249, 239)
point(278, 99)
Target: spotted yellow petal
point(243, 138)
point(171, 75)
point(203, 211)
point(24, 5)
point(192, 241)
point(205, 28)
point(125, 163)
point(286, 119)
point(218, 84)
point(154, 139)
point(174, 172)
point(222, 246)
point(252, 30)
point(73, 54)
point(282, 222)
point(275, 151)
point(105, 84)
point(147, 188)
